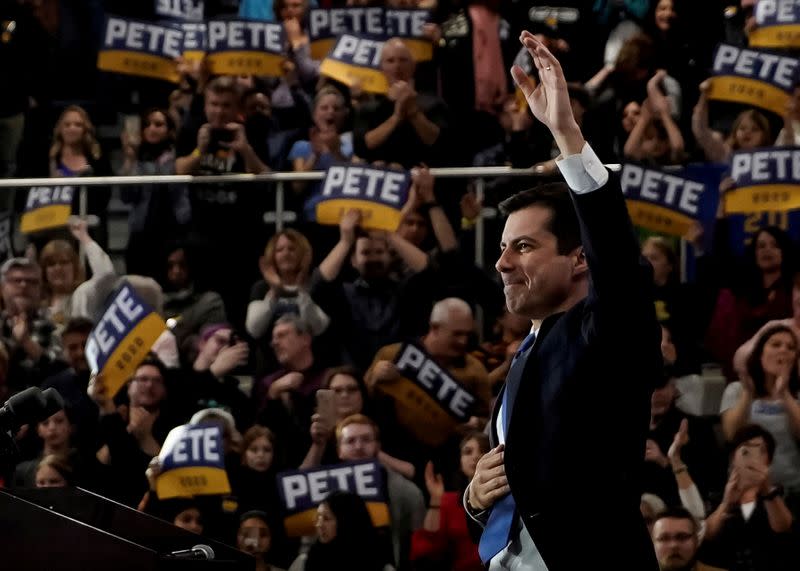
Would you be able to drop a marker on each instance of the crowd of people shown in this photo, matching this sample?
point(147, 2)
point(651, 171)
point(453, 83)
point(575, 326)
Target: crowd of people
point(331, 308)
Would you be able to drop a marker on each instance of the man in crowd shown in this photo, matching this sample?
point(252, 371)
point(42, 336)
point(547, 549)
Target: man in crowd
point(357, 439)
point(676, 540)
point(447, 342)
point(402, 127)
point(33, 347)
point(375, 309)
point(220, 214)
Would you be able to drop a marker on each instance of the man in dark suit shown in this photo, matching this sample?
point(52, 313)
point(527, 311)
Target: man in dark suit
point(569, 427)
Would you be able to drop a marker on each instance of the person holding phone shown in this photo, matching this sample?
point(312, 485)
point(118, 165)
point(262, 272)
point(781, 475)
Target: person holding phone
point(751, 527)
point(217, 144)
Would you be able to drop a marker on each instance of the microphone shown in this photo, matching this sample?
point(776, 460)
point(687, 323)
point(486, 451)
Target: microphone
point(53, 403)
point(199, 551)
point(24, 407)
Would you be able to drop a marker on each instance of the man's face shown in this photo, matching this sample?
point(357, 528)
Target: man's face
point(449, 340)
point(22, 290)
point(397, 64)
point(675, 542)
point(178, 269)
point(537, 279)
point(220, 109)
point(146, 388)
point(414, 228)
point(74, 344)
point(358, 442)
point(288, 343)
point(371, 258)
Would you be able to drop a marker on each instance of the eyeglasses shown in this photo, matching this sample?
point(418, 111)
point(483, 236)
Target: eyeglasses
point(678, 537)
point(19, 280)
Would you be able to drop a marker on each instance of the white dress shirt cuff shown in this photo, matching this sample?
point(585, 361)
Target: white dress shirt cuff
point(583, 172)
point(478, 517)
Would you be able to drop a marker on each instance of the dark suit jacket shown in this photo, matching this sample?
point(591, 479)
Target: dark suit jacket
point(574, 449)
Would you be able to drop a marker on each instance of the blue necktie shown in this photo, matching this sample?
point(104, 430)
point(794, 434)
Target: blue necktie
point(496, 534)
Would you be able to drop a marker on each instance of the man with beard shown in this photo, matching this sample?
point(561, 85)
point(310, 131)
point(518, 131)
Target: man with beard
point(676, 541)
point(375, 309)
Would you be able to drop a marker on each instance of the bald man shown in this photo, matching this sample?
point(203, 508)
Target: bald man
point(403, 126)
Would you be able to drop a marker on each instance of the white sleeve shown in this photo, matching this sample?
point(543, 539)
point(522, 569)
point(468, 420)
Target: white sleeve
point(583, 172)
point(99, 261)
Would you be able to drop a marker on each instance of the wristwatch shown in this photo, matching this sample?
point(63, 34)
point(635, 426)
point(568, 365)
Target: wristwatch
point(775, 492)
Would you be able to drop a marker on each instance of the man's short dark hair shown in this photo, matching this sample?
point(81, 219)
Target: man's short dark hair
point(751, 431)
point(222, 85)
point(78, 325)
point(563, 220)
point(678, 512)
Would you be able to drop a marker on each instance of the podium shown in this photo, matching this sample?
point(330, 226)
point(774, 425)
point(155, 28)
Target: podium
point(66, 529)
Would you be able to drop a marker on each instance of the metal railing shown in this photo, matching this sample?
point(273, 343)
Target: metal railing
point(478, 174)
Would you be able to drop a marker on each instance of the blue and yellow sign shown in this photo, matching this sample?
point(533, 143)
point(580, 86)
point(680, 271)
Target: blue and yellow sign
point(753, 77)
point(661, 201)
point(777, 24)
point(425, 390)
point(47, 207)
point(140, 48)
point(195, 39)
point(356, 59)
point(767, 180)
point(379, 193)
point(249, 47)
point(188, 10)
point(303, 490)
point(326, 25)
point(122, 337)
point(192, 462)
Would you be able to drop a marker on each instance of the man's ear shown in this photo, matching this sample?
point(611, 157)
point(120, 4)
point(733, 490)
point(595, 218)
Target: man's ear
point(579, 261)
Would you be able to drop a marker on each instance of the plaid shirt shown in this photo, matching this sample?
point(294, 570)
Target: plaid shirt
point(22, 369)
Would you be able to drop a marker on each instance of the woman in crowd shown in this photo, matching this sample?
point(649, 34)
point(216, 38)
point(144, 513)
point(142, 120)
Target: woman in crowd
point(753, 291)
point(54, 471)
point(350, 397)
point(767, 395)
point(255, 537)
point(285, 266)
point(76, 152)
point(750, 130)
point(157, 214)
point(254, 479)
point(55, 433)
point(62, 271)
point(444, 540)
point(326, 145)
point(346, 538)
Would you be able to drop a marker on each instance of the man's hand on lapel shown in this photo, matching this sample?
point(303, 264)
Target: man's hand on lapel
point(489, 483)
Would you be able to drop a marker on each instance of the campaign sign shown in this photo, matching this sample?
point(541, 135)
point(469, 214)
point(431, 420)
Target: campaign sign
point(356, 59)
point(777, 24)
point(188, 10)
point(766, 180)
point(753, 77)
point(409, 25)
point(425, 390)
point(141, 48)
point(302, 491)
point(325, 25)
point(192, 462)
point(252, 47)
point(661, 201)
point(194, 40)
point(379, 193)
point(47, 207)
point(122, 337)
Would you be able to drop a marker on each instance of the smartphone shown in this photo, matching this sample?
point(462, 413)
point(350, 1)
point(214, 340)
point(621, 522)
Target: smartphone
point(234, 339)
point(221, 135)
point(133, 128)
point(326, 407)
